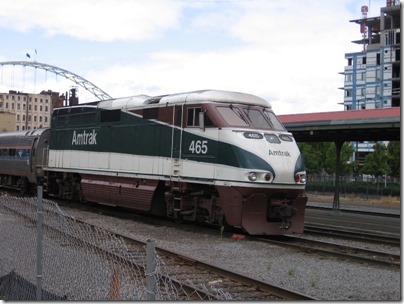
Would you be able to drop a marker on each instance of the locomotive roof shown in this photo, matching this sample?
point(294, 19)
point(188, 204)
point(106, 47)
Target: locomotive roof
point(34, 132)
point(186, 97)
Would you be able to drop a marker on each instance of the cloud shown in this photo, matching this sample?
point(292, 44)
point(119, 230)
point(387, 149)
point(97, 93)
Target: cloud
point(284, 51)
point(289, 56)
point(92, 20)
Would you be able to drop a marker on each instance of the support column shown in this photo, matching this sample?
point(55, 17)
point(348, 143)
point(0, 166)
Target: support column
point(335, 204)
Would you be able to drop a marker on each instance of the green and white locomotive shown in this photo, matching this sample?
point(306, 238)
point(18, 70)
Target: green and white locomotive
point(209, 156)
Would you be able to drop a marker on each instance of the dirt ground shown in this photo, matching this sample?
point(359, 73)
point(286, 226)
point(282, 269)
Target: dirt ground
point(354, 199)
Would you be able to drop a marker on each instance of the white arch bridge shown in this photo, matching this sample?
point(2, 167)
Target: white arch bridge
point(87, 85)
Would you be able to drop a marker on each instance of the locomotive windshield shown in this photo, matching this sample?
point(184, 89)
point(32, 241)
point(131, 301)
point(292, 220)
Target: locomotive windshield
point(254, 117)
point(233, 116)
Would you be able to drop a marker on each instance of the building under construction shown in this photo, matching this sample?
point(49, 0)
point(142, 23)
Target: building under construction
point(373, 74)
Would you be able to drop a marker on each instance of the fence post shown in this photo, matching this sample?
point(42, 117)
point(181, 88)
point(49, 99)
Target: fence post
point(39, 244)
point(151, 270)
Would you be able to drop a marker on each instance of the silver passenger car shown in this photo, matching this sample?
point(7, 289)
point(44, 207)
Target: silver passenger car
point(23, 155)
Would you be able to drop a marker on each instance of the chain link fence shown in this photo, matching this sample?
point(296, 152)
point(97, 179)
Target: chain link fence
point(360, 185)
point(66, 260)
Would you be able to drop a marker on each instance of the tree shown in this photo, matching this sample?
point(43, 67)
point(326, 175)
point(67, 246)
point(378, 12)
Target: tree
point(331, 159)
point(393, 158)
point(376, 162)
point(320, 157)
point(312, 157)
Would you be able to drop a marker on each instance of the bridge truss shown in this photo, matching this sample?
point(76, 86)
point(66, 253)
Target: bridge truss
point(87, 85)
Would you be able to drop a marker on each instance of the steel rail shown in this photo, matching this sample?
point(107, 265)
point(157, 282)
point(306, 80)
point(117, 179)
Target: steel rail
point(235, 283)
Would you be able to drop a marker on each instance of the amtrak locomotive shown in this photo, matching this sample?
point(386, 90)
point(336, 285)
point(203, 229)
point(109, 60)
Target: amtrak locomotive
point(210, 156)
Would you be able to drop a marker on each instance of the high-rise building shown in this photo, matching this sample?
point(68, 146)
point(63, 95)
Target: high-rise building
point(373, 74)
point(23, 111)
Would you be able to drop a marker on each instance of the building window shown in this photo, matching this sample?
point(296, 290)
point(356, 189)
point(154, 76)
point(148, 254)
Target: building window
point(348, 93)
point(363, 60)
point(18, 117)
point(348, 77)
point(23, 106)
point(349, 61)
point(18, 106)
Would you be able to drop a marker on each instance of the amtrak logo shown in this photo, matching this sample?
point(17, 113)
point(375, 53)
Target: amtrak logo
point(279, 153)
point(84, 138)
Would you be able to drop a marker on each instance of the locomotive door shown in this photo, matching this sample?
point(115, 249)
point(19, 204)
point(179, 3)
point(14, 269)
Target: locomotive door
point(176, 140)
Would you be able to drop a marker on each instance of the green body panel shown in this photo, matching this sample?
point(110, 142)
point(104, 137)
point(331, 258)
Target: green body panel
point(138, 136)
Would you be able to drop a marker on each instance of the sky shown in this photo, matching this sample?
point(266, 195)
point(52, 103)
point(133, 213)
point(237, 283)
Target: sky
point(290, 53)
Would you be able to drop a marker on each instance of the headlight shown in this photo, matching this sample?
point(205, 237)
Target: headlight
point(252, 176)
point(268, 177)
point(300, 178)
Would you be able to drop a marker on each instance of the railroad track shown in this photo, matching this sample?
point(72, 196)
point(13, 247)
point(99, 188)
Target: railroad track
point(351, 234)
point(328, 249)
point(194, 279)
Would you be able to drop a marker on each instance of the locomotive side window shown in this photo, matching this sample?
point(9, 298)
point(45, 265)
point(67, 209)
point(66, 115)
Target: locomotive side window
point(233, 116)
point(193, 117)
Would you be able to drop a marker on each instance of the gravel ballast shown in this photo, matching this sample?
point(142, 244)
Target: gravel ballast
point(324, 278)
point(320, 277)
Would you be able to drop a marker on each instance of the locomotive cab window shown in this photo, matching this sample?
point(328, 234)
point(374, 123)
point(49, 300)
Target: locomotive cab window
point(233, 116)
point(193, 118)
point(258, 119)
point(277, 125)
